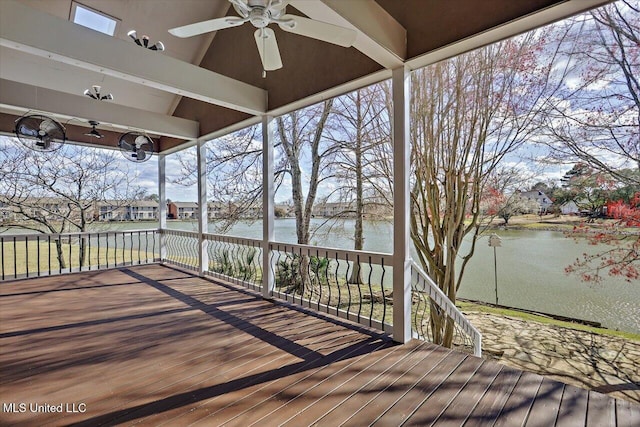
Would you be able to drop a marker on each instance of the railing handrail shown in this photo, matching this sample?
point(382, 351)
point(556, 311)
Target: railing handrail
point(185, 233)
point(232, 239)
point(443, 301)
point(343, 254)
point(27, 236)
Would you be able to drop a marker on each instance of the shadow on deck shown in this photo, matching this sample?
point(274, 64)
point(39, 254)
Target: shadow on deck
point(153, 345)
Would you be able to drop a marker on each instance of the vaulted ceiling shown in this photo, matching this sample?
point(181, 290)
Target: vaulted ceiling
point(210, 84)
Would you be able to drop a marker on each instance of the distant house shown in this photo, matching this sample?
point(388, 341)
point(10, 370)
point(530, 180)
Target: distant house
point(6, 212)
point(334, 209)
point(286, 210)
point(217, 210)
point(183, 210)
point(47, 208)
point(569, 208)
point(111, 210)
point(142, 210)
point(544, 203)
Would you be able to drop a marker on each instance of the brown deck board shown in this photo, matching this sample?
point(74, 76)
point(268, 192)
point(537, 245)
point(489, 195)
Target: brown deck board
point(289, 388)
point(516, 409)
point(601, 410)
point(626, 415)
point(425, 387)
point(153, 345)
point(313, 409)
point(457, 412)
point(365, 385)
point(573, 408)
point(491, 403)
point(436, 404)
point(544, 410)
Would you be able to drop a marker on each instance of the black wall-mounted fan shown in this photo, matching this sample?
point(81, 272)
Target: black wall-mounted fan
point(40, 133)
point(136, 147)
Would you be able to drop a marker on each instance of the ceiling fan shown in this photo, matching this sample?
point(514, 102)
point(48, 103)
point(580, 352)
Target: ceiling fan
point(93, 133)
point(261, 13)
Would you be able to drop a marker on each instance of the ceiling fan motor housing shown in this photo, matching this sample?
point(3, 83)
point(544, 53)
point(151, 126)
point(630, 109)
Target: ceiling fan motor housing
point(259, 17)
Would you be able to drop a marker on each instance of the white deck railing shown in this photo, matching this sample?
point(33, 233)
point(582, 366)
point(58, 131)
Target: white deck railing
point(37, 254)
point(354, 285)
point(430, 302)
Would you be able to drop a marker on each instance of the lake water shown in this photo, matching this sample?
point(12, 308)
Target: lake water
point(530, 269)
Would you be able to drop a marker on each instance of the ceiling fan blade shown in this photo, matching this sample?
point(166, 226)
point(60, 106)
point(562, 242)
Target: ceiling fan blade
point(268, 48)
point(126, 145)
point(207, 26)
point(27, 131)
point(329, 33)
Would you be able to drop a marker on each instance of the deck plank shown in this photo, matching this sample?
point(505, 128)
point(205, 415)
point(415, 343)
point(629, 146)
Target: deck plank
point(490, 405)
point(402, 410)
point(573, 407)
point(544, 411)
point(432, 407)
point(626, 415)
point(154, 345)
point(429, 357)
point(516, 409)
point(601, 410)
point(462, 405)
point(351, 372)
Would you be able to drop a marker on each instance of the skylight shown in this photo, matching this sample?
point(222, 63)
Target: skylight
point(82, 15)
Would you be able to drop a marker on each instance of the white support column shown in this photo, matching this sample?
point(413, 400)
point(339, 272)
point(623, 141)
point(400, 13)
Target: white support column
point(162, 200)
point(203, 256)
point(268, 209)
point(401, 80)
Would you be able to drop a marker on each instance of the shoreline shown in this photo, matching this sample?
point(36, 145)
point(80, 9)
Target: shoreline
point(559, 317)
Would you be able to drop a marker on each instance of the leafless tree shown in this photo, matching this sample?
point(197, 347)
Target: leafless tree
point(234, 174)
point(595, 120)
point(301, 135)
point(59, 192)
point(364, 161)
point(596, 109)
point(467, 114)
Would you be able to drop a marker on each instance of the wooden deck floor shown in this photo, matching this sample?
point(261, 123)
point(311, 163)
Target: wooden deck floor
point(152, 345)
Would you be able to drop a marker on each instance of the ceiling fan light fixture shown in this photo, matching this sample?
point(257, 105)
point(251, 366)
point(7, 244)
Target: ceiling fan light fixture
point(134, 35)
point(158, 46)
point(94, 93)
point(144, 41)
